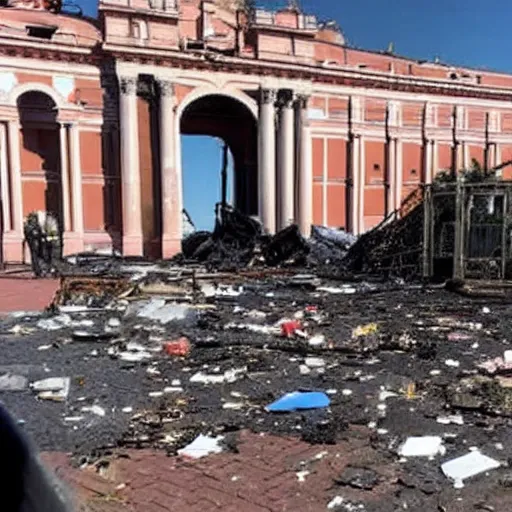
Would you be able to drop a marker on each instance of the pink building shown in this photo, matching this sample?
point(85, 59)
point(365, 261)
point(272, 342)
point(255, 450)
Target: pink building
point(91, 113)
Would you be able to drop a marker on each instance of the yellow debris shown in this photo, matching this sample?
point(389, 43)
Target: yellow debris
point(365, 330)
point(411, 391)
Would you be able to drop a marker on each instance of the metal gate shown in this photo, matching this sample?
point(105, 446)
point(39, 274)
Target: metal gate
point(484, 235)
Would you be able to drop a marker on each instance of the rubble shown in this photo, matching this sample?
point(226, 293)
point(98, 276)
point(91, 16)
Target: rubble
point(182, 352)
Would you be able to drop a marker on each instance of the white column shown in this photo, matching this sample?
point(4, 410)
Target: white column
point(171, 189)
point(286, 160)
point(64, 176)
point(354, 196)
point(76, 180)
point(4, 180)
point(429, 149)
point(130, 168)
point(305, 168)
point(435, 159)
point(267, 160)
point(15, 175)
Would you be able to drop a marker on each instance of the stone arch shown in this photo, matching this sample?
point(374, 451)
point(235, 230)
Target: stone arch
point(21, 89)
point(243, 149)
point(200, 92)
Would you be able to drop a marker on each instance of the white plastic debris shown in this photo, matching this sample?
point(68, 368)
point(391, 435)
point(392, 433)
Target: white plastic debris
point(114, 322)
point(73, 309)
point(317, 340)
point(156, 394)
point(159, 310)
point(54, 388)
point(173, 389)
point(301, 475)
point(453, 419)
point(314, 362)
point(228, 376)
point(346, 392)
point(10, 382)
point(425, 446)
point(233, 406)
point(385, 394)
point(73, 419)
point(127, 410)
point(507, 356)
point(304, 369)
point(133, 357)
point(44, 347)
point(468, 465)
point(345, 290)
point(452, 363)
point(202, 446)
point(486, 310)
point(95, 409)
point(336, 502)
point(55, 323)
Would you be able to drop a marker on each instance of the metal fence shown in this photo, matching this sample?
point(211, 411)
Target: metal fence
point(467, 230)
point(443, 230)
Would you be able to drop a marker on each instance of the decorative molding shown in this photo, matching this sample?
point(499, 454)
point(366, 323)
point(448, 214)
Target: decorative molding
point(302, 100)
point(268, 96)
point(166, 87)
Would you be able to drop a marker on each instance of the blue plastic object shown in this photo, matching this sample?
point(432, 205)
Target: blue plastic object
point(299, 400)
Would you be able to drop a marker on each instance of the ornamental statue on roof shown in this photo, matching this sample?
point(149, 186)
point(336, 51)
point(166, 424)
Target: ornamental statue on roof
point(54, 6)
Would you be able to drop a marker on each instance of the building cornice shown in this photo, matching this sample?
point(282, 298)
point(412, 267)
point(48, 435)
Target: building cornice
point(124, 11)
point(60, 53)
point(339, 77)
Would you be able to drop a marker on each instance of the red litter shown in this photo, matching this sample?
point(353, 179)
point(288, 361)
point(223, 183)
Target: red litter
point(288, 328)
point(179, 347)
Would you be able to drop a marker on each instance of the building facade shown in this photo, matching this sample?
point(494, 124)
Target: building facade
point(91, 113)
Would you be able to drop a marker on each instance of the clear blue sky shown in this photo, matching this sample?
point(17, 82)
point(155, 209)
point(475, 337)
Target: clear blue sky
point(472, 33)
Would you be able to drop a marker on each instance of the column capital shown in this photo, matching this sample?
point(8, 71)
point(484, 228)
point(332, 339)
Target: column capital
point(302, 100)
point(286, 98)
point(166, 87)
point(128, 85)
point(268, 95)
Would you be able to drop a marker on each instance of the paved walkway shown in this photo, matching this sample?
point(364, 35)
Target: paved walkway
point(268, 474)
point(22, 292)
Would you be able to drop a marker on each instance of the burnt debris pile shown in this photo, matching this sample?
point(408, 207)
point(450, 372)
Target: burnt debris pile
point(391, 249)
point(239, 241)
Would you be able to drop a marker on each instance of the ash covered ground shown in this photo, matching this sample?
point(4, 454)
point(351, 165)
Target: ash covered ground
point(395, 360)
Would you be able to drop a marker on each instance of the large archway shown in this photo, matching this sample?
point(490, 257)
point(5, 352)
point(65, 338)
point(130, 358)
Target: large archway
point(221, 117)
point(40, 155)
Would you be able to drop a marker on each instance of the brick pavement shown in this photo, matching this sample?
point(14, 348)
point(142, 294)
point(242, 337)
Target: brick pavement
point(261, 477)
point(22, 292)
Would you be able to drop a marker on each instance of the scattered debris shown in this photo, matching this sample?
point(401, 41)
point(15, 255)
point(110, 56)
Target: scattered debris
point(179, 348)
point(299, 401)
point(202, 446)
point(468, 465)
point(54, 388)
point(426, 446)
